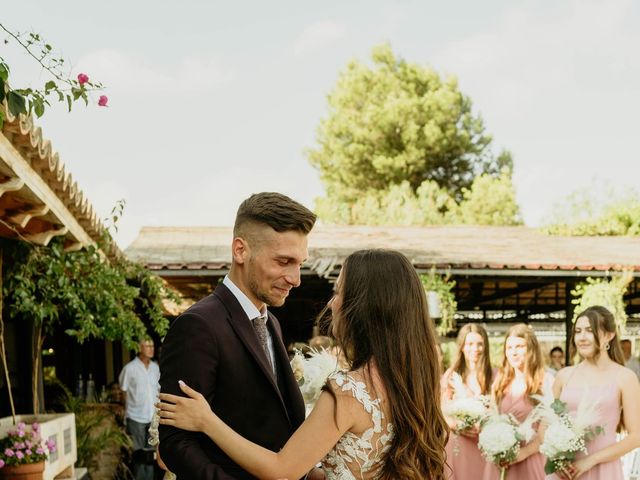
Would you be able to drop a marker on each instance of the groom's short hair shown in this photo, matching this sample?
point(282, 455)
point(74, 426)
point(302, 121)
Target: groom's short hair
point(275, 210)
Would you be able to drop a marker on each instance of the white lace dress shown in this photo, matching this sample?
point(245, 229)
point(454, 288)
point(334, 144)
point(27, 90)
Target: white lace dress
point(355, 456)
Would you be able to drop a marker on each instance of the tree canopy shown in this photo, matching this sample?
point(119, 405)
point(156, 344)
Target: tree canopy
point(597, 210)
point(489, 201)
point(396, 125)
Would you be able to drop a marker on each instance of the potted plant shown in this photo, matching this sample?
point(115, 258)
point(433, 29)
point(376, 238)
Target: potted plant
point(23, 453)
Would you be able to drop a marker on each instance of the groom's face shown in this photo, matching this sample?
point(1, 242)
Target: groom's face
point(273, 265)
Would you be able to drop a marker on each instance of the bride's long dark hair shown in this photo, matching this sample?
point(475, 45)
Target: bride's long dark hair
point(384, 316)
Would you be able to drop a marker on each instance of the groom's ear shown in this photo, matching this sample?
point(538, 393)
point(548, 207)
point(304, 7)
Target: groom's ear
point(239, 250)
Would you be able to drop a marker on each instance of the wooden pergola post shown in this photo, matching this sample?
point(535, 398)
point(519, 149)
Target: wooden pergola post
point(3, 351)
point(568, 320)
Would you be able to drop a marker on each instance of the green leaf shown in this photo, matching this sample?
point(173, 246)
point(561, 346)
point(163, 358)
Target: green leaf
point(50, 85)
point(4, 71)
point(38, 107)
point(559, 407)
point(16, 103)
point(1, 119)
point(2, 92)
point(549, 467)
point(77, 93)
point(69, 101)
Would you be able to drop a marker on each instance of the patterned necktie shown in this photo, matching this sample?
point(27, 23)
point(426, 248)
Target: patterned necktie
point(260, 326)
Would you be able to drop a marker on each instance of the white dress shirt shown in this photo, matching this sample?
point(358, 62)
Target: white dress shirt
point(142, 385)
point(634, 364)
point(252, 312)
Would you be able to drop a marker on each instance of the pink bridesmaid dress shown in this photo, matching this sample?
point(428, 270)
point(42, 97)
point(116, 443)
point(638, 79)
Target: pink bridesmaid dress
point(532, 467)
point(464, 460)
point(609, 400)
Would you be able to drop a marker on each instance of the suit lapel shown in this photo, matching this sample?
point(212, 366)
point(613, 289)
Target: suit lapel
point(296, 411)
point(241, 325)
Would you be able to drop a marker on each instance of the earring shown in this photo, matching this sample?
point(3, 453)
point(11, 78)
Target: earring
point(607, 346)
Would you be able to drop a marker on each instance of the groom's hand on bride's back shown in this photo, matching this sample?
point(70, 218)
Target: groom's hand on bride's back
point(316, 474)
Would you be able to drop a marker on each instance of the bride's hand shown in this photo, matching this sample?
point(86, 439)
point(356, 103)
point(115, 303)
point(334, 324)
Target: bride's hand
point(188, 413)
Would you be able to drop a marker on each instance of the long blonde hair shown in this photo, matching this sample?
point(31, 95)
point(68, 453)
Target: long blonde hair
point(534, 365)
point(484, 373)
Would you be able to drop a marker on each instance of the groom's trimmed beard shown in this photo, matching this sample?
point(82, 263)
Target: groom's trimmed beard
point(262, 293)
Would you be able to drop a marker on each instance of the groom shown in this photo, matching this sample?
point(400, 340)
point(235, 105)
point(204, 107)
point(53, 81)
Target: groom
point(228, 346)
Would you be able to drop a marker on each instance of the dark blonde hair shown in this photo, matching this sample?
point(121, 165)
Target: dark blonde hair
point(384, 316)
point(600, 320)
point(484, 373)
point(534, 365)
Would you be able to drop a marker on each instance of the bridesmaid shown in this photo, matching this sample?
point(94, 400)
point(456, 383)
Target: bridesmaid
point(522, 374)
point(470, 372)
point(601, 374)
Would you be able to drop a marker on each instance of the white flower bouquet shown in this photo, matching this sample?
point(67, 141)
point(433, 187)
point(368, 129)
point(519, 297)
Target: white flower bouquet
point(501, 436)
point(312, 372)
point(565, 435)
point(499, 441)
point(468, 412)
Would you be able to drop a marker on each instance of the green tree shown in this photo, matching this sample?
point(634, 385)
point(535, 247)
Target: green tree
point(598, 210)
point(400, 122)
point(489, 201)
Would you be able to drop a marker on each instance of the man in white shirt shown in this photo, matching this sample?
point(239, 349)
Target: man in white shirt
point(139, 380)
point(630, 361)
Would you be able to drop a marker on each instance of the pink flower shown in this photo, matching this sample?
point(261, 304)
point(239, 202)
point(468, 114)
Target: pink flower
point(28, 452)
point(1, 463)
point(28, 444)
point(39, 451)
point(82, 78)
point(8, 452)
point(21, 426)
point(19, 455)
point(102, 101)
point(51, 445)
point(36, 426)
point(19, 445)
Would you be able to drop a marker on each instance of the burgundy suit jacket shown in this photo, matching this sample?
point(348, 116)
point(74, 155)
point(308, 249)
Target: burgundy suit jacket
point(214, 349)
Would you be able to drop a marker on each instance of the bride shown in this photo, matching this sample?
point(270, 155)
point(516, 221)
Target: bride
point(379, 420)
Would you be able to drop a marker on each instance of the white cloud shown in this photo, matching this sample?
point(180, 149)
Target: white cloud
point(318, 36)
point(134, 73)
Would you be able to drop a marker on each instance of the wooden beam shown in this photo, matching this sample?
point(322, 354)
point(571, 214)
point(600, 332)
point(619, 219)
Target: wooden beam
point(43, 238)
point(34, 182)
point(11, 185)
point(473, 300)
point(23, 218)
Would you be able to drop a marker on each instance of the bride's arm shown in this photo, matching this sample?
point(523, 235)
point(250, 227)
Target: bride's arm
point(328, 421)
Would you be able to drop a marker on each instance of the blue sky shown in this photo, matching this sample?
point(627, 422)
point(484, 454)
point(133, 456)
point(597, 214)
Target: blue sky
point(211, 101)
